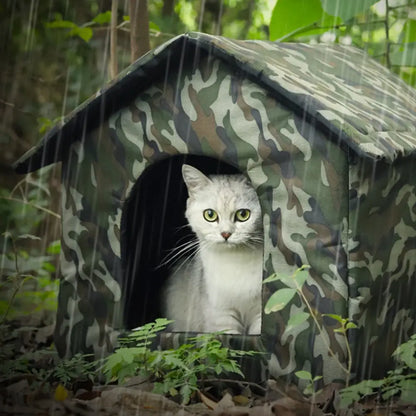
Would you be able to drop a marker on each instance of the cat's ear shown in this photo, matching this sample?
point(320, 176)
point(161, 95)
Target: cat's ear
point(194, 179)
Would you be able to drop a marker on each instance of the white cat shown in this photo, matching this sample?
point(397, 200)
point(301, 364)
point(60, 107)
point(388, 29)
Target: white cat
point(219, 287)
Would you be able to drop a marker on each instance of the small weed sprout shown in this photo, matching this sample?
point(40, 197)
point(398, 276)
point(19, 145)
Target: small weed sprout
point(309, 390)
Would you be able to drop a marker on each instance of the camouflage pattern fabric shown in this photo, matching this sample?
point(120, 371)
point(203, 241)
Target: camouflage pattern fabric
point(364, 106)
point(326, 137)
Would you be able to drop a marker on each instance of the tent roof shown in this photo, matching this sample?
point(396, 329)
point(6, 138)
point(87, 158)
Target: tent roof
point(357, 101)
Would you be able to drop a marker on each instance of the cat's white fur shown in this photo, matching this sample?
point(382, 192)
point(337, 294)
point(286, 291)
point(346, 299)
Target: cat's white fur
point(219, 288)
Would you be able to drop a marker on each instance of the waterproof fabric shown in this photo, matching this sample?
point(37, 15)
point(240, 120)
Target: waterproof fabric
point(326, 137)
point(354, 97)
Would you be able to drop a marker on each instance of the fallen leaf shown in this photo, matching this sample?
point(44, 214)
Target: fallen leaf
point(61, 393)
point(225, 403)
point(241, 400)
point(287, 406)
point(87, 394)
point(234, 411)
point(211, 404)
point(123, 397)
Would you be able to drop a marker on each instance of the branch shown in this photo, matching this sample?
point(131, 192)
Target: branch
point(31, 204)
point(113, 40)
point(315, 25)
point(228, 380)
point(13, 106)
point(386, 29)
point(302, 29)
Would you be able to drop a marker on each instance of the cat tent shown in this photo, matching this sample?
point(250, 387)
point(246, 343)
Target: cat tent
point(327, 137)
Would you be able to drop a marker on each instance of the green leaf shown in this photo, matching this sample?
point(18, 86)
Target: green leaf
point(408, 33)
point(351, 325)
point(271, 278)
point(286, 280)
point(161, 323)
point(355, 392)
point(173, 392)
point(406, 353)
point(304, 375)
point(408, 389)
point(127, 371)
point(103, 18)
point(85, 33)
point(186, 392)
point(290, 16)
point(49, 267)
point(403, 55)
point(54, 247)
point(279, 300)
point(297, 319)
point(336, 317)
point(154, 26)
point(346, 9)
point(61, 24)
point(301, 276)
point(44, 124)
point(390, 392)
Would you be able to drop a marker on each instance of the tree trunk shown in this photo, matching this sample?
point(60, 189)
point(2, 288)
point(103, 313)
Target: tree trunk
point(168, 7)
point(139, 29)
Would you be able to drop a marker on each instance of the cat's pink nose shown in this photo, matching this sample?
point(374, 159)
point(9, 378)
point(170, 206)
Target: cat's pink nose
point(225, 235)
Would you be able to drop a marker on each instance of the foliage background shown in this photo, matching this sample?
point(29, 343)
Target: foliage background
point(55, 54)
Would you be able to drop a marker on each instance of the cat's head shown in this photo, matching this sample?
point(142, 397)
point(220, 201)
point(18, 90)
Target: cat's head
point(222, 209)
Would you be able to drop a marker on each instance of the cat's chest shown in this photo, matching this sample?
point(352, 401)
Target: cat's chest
point(232, 271)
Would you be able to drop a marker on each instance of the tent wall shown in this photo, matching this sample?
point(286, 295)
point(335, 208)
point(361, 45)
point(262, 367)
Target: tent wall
point(306, 213)
point(381, 260)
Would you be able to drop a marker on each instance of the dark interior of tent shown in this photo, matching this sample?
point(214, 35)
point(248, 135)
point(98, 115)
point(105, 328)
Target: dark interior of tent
point(153, 224)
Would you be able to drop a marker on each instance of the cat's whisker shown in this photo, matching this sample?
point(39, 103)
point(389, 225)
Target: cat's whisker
point(188, 259)
point(171, 260)
point(255, 242)
point(177, 252)
point(182, 227)
point(196, 250)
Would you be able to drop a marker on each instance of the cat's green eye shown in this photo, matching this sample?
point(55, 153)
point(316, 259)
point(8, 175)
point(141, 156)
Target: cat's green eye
point(242, 215)
point(210, 215)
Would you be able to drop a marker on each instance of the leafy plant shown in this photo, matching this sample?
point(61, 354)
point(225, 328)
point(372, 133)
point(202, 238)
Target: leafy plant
point(77, 367)
point(282, 297)
point(24, 207)
point(27, 268)
point(133, 355)
point(400, 382)
point(177, 371)
point(310, 379)
point(34, 273)
point(45, 368)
